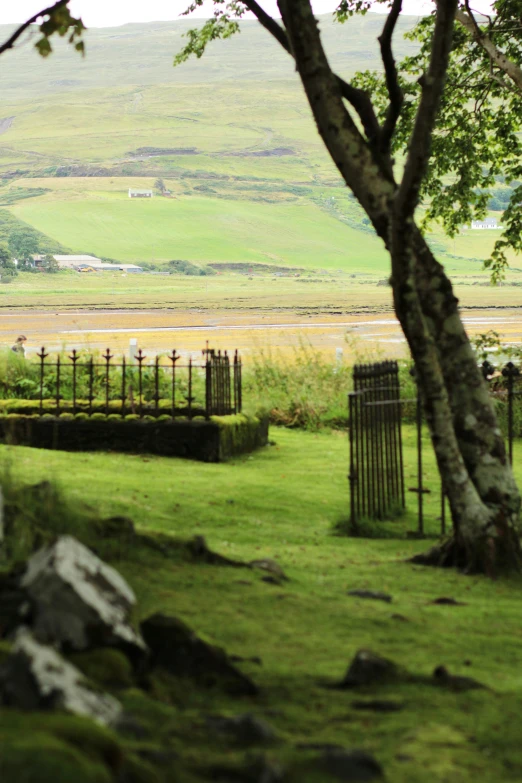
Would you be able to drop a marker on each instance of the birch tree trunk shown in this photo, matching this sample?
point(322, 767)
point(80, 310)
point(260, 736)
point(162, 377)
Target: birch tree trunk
point(470, 453)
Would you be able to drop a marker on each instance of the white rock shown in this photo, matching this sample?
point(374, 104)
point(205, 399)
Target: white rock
point(35, 676)
point(78, 599)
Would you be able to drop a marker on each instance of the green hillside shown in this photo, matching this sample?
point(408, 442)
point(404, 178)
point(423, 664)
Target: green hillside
point(231, 134)
point(206, 229)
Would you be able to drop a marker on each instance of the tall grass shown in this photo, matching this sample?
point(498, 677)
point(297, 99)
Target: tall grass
point(304, 389)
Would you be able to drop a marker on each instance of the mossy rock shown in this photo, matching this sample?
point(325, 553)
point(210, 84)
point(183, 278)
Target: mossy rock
point(114, 417)
point(106, 667)
point(98, 417)
point(66, 417)
point(56, 748)
point(81, 416)
point(132, 417)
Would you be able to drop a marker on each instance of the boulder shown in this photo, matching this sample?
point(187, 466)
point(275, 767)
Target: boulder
point(177, 649)
point(368, 668)
point(270, 566)
point(78, 601)
point(36, 677)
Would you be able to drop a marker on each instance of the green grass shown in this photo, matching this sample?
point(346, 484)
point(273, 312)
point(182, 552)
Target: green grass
point(283, 503)
point(204, 229)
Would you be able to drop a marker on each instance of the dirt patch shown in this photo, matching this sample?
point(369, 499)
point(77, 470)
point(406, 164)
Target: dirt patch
point(5, 124)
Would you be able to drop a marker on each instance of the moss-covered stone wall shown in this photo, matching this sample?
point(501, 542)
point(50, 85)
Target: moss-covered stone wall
point(213, 440)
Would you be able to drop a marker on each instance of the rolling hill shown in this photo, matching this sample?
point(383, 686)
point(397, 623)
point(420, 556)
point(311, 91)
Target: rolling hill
point(231, 134)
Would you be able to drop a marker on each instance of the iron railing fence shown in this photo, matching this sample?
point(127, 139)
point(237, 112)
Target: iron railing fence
point(376, 457)
point(212, 387)
point(505, 385)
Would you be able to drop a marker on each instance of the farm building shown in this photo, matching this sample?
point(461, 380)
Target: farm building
point(486, 223)
point(133, 193)
point(70, 262)
point(83, 263)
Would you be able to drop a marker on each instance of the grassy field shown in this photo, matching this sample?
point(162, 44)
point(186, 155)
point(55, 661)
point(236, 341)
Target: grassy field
point(284, 503)
point(206, 229)
point(250, 176)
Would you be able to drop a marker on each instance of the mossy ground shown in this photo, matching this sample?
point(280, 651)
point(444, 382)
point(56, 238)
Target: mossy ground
point(284, 502)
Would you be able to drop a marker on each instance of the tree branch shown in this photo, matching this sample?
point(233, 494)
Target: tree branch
point(392, 82)
point(432, 83)
point(23, 27)
point(511, 69)
point(359, 99)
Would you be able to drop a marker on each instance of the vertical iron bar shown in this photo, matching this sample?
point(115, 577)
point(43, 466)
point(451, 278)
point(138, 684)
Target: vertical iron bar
point(140, 357)
point(173, 358)
point(351, 475)
point(58, 385)
point(123, 385)
point(156, 385)
point(42, 355)
point(74, 359)
point(399, 437)
point(190, 389)
point(419, 461)
point(91, 381)
point(208, 386)
point(235, 382)
point(107, 356)
point(240, 388)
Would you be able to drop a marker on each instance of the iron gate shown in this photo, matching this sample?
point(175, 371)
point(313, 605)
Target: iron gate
point(376, 461)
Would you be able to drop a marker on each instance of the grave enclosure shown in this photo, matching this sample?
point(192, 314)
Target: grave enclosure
point(168, 406)
point(376, 467)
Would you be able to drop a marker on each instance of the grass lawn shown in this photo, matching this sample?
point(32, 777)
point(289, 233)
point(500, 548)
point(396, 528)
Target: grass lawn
point(283, 503)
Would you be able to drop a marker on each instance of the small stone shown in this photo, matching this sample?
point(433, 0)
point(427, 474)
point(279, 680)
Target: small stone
point(368, 668)
point(176, 648)
point(245, 729)
point(266, 564)
point(400, 618)
point(371, 594)
point(200, 551)
point(454, 682)
point(271, 580)
point(36, 677)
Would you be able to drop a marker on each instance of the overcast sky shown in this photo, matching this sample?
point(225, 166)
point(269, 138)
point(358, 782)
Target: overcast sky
point(108, 13)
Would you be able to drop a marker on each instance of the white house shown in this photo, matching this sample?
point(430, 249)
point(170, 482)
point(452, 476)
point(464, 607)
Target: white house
point(486, 223)
point(133, 193)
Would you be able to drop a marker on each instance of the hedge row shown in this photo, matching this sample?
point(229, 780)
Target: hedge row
point(213, 440)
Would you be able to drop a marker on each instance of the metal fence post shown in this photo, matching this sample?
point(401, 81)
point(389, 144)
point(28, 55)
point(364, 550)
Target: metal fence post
point(510, 372)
